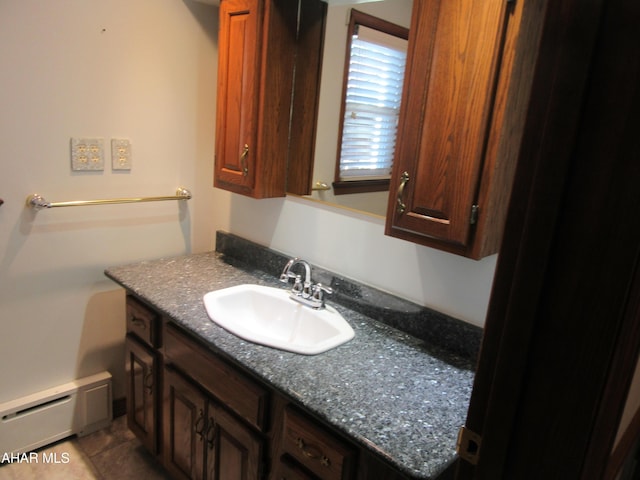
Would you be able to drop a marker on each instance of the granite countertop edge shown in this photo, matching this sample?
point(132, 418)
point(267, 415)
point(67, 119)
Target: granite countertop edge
point(398, 397)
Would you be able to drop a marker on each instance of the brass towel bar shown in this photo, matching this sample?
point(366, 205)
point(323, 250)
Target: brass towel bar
point(38, 202)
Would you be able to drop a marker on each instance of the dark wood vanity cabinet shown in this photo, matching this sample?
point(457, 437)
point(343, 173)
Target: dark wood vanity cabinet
point(201, 439)
point(258, 42)
point(213, 416)
point(184, 427)
point(206, 419)
point(143, 369)
point(454, 162)
point(309, 445)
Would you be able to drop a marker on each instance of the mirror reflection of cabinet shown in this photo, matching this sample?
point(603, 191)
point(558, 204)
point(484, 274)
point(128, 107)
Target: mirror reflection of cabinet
point(259, 41)
point(453, 168)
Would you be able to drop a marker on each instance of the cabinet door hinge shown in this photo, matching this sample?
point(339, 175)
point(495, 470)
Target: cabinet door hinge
point(473, 218)
point(468, 445)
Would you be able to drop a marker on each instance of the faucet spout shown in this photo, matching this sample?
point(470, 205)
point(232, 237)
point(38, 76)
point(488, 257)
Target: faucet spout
point(287, 274)
point(304, 291)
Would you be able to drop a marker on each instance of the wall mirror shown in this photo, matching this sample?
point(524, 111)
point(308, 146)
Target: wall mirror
point(331, 107)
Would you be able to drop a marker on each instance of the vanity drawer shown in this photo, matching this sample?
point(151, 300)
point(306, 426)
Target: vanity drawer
point(143, 322)
point(316, 449)
point(233, 389)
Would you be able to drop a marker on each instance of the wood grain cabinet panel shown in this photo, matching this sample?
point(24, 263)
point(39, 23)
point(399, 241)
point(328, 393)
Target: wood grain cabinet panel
point(234, 452)
point(450, 146)
point(258, 43)
point(241, 394)
point(185, 418)
point(143, 322)
point(202, 440)
point(141, 368)
point(318, 450)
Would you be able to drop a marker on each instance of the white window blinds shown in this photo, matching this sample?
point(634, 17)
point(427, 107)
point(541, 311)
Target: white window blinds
point(372, 104)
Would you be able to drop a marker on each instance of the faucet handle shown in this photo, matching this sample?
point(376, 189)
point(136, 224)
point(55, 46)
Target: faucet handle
point(318, 287)
point(298, 287)
point(318, 292)
point(284, 277)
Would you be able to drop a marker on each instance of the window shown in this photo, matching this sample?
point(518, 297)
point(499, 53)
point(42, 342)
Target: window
point(372, 92)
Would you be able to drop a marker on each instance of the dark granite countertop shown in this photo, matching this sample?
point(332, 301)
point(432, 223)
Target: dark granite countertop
point(396, 395)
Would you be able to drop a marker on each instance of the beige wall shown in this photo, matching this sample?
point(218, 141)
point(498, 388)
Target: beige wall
point(138, 69)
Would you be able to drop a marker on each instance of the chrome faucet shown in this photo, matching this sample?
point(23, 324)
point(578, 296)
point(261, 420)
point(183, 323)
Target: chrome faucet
point(304, 292)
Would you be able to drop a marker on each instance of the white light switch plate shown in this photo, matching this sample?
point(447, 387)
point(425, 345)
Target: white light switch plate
point(87, 154)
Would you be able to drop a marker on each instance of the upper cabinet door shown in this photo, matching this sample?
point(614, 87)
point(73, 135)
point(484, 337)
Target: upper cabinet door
point(259, 44)
point(455, 48)
point(238, 75)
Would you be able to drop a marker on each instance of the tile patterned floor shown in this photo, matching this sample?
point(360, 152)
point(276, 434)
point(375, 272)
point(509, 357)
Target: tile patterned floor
point(109, 454)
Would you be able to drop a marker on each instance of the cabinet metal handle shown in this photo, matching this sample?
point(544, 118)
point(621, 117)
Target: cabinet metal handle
point(400, 205)
point(313, 452)
point(148, 381)
point(200, 424)
point(211, 433)
point(138, 322)
point(243, 160)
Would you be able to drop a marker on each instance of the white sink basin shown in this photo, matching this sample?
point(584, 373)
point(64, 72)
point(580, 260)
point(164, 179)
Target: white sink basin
point(267, 316)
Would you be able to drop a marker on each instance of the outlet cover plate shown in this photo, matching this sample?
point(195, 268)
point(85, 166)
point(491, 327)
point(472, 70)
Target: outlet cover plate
point(87, 154)
point(120, 154)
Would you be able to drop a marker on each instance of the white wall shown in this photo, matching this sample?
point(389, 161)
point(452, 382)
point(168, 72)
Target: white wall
point(354, 245)
point(139, 69)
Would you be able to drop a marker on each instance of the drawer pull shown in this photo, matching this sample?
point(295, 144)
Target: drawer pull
point(200, 425)
point(138, 322)
point(313, 452)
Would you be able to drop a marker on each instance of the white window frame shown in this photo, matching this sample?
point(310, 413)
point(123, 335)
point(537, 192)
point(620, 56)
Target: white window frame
point(374, 71)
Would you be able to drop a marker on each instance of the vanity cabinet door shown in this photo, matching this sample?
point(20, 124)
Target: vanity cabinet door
point(455, 49)
point(185, 419)
point(234, 452)
point(202, 440)
point(142, 387)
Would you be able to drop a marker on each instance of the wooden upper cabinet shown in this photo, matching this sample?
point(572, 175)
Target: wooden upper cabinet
point(449, 143)
point(258, 44)
point(238, 70)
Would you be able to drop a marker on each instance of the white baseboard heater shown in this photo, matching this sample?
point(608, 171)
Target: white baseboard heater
point(79, 407)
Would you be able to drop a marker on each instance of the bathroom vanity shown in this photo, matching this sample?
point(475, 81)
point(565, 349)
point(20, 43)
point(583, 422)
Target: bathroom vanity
point(208, 404)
